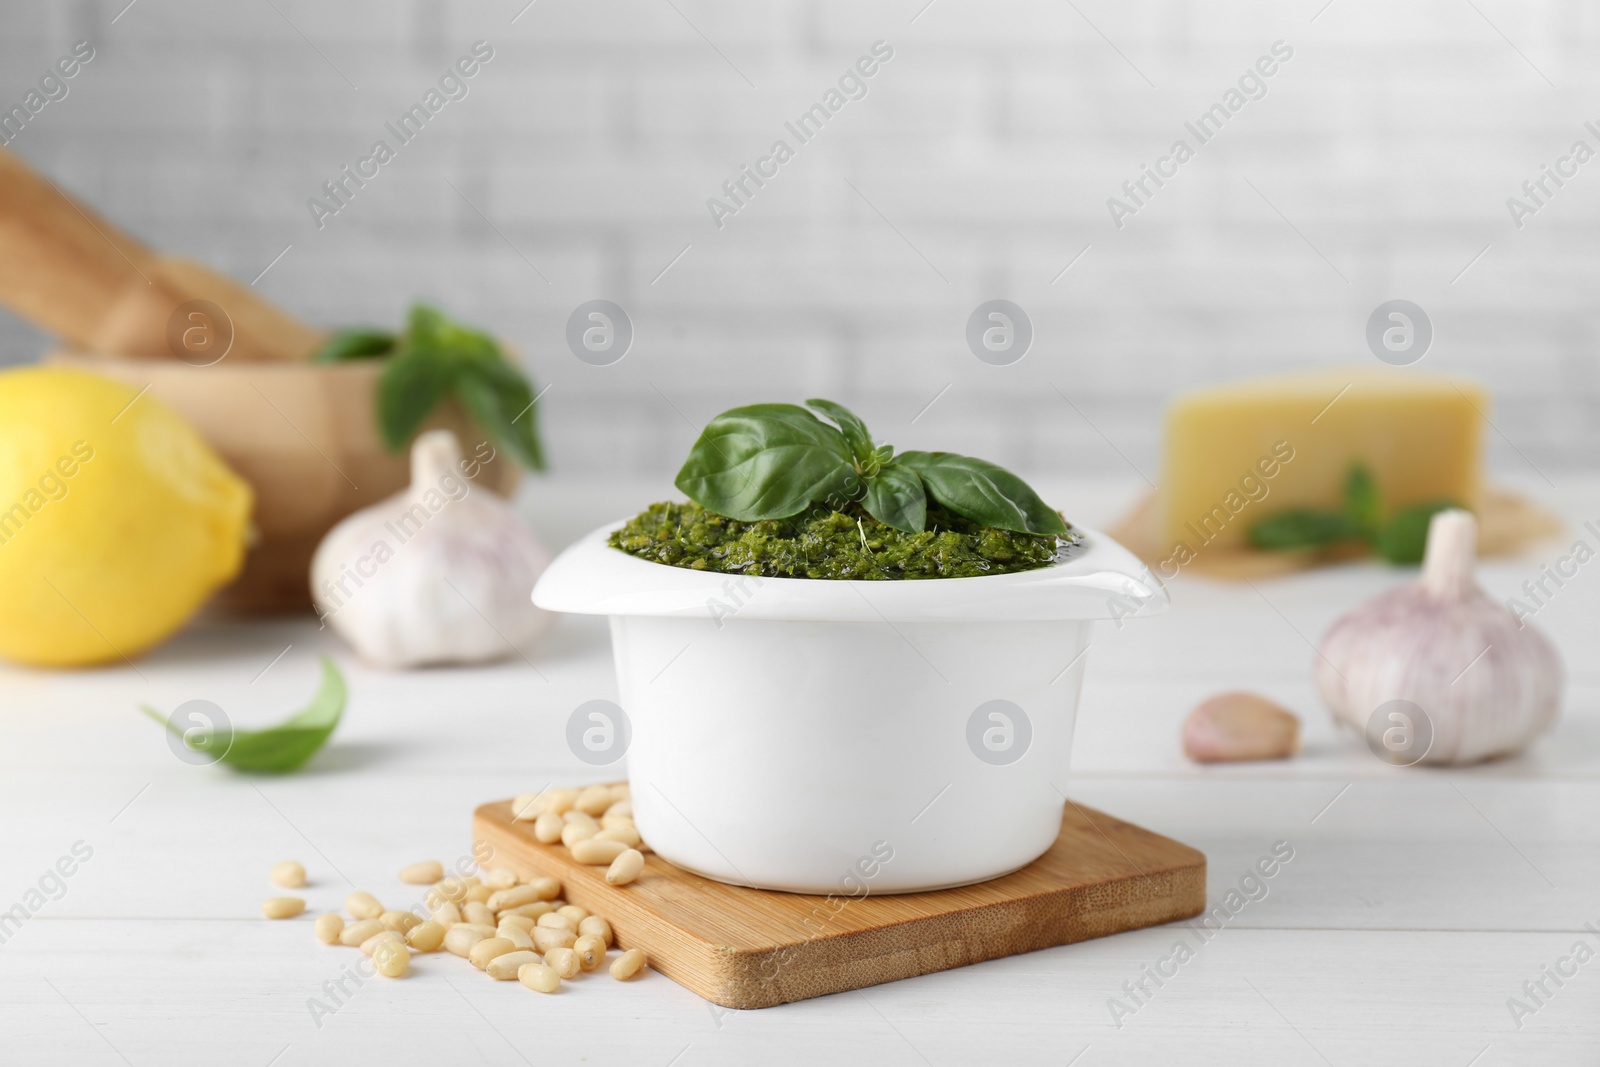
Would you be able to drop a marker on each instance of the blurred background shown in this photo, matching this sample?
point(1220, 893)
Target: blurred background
point(978, 165)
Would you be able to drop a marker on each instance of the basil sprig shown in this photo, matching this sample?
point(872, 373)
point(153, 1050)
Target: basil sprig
point(1402, 538)
point(437, 358)
point(773, 461)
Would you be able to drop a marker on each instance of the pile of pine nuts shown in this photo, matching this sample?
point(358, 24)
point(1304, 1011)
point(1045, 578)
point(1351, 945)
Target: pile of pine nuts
point(504, 926)
point(595, 823)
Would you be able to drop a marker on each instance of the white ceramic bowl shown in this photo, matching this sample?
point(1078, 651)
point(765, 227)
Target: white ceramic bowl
point(849, 737)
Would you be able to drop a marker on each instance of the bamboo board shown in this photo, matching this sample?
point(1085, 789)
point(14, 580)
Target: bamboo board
point(753, 948)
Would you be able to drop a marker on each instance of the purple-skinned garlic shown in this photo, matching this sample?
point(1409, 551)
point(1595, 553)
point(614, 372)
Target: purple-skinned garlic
point(438, 573)
point(1485, 681)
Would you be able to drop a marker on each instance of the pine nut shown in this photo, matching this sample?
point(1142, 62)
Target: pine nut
point(370, 945)
point(487, 949)
point(363, 905)
point(525, 806)
point(329, 927)
point(504, 968)
point(557, 921)
point(477, 928)
point(539, 977)
point(392, 958)
point(545, 938)
point(621, 791)
point(400, 921)
point(612, 822)
point(357, 932)
point(597, 853)
point(625, 868)
point(621, 808)
point(574, 912)
point(460, 938)
point(426, 937)
point(574, 832)
point(547, 827)
point(478, 914)
point(453, 890)
point(547, 888)
point(528, 911)
point(500, 878)
point(564, 961)
point(446, 914)
point(514, 897)
point(282, 907)
point(559, 801)
point(516, 935)
point(525, 923)
point(425, 873)
point(597, 927)
point(477, 894)
point(628, 835)
point(591, 951)
point(628, 964)
point(580, 818)
point(289, 874)
point(593, 800)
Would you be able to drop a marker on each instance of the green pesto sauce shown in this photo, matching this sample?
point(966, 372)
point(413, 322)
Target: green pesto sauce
point(823, 543)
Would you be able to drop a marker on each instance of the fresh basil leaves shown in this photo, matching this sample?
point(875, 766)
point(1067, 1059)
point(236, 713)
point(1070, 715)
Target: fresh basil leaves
point(1402, 538)
point(773, 461)
point(278, 749)
point(436, 358)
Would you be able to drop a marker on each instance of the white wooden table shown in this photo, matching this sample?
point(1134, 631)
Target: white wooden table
point(1417, 902)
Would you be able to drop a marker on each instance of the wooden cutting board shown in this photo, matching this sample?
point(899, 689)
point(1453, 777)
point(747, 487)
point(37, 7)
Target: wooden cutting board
point(753, 948)
point(1508, 523)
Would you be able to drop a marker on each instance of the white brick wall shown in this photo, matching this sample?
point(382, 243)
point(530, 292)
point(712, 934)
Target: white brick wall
point(990, 141)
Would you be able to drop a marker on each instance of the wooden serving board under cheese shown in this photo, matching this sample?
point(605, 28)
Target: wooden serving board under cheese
point(754, 948)
point(1237, 453)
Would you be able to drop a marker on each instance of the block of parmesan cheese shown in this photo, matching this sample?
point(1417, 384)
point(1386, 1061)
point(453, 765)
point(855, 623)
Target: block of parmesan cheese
point(1239, 452)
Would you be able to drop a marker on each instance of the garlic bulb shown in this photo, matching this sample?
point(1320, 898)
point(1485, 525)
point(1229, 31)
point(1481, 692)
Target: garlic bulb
point(1485, 681)
point(438, 573)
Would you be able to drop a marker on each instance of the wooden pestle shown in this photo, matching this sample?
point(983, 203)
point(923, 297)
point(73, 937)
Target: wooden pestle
point(64, 268)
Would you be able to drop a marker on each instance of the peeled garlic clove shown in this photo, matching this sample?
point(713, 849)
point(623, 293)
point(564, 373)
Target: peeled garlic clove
point(438, 573)
point(1239, 726)
point(1485, 682)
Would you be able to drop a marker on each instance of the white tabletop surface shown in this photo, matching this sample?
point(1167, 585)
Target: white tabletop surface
point(1417, 902)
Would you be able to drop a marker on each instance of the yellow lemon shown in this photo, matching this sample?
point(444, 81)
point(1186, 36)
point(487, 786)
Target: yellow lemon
point(117, 520)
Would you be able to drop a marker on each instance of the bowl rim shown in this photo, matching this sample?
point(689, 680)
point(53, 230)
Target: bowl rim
point(1101, 580)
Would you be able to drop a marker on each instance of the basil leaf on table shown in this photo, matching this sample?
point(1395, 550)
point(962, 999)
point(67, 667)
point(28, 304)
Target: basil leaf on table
point(854, 430)
point(767, 461)
point(347, 345)
point(983, 492)
point(895, 497)
point(1404, 538)
point(282, 748)
point(1303, 528)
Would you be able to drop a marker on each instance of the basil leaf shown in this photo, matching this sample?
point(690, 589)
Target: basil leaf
point(1404, 538)
point(1361, 502)
point(983, 492)
point(1302, 528)
point(895, 497)
point(346, 345)
point(767, 461)
point(855, 431)
point(502, 402)
point(282, 748)
point(410, 388)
